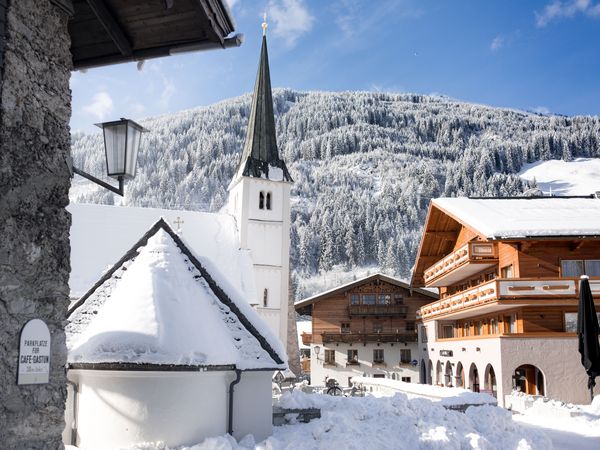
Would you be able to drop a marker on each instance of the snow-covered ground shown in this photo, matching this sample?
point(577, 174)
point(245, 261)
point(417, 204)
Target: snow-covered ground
point(398, 422)
point(578, 177)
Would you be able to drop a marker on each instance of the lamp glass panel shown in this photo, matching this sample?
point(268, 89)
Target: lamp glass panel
point(134, 136)
point(114, 138)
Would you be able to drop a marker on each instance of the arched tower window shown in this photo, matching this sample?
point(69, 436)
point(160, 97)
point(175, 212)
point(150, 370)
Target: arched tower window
point(265, 297)
point(261, 200)
point(268, 200)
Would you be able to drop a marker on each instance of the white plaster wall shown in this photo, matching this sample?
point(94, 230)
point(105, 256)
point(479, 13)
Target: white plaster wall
point(341, 372)
point(266, 233)
point(558, 359)
point(253, 406)
point(265, 240)
point(271, 279)
point(119, 408)
point(480, 352)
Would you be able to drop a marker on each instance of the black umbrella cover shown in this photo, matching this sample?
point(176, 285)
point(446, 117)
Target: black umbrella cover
point(587, 332)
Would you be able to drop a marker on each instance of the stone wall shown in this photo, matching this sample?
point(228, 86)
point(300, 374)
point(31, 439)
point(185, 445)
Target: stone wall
point(34, 225)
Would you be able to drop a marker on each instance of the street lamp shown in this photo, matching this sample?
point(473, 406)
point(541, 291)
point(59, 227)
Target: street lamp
point(122, 140)
point(317, 351)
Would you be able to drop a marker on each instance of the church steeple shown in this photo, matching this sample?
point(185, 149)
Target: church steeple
point(260, 157)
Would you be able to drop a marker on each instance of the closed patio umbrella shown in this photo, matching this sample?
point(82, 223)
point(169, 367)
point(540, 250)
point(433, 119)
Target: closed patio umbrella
point(587, 333)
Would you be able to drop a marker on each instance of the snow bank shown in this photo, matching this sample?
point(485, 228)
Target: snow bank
point(385, 423)
point(446, 395)
point(161, 311)
point(560, 416)
point(516, 218)
point(578, 177)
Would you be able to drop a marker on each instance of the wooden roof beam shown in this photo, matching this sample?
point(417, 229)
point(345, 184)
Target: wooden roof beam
point(445, 235)
point(111, 26)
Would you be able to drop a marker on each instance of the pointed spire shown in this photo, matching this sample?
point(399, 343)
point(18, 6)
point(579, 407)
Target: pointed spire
point(260, 149)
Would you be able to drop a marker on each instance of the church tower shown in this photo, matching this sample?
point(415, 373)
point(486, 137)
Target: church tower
point(259, 198)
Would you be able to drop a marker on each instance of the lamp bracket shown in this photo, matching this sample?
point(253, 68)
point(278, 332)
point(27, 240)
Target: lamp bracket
point(119, 191)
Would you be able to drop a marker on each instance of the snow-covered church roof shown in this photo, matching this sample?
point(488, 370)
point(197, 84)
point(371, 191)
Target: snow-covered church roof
point(526, 217)
point(163, 305)
point(101, 234)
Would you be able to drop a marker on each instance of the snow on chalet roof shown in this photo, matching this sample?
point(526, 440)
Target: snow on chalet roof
point(101, 234)
point(510, 218)
point(162, 305)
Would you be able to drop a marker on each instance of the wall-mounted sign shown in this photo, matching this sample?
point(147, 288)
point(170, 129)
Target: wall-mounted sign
point(446, 353)
point(34, 353)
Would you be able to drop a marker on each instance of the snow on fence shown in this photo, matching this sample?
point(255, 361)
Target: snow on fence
point(451, 398)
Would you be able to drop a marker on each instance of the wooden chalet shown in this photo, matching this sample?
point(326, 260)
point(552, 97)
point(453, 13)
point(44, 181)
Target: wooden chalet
point(507, 269)
point(364, 327)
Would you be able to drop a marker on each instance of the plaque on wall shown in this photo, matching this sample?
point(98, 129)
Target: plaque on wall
point(34, 353)
point(446, 352)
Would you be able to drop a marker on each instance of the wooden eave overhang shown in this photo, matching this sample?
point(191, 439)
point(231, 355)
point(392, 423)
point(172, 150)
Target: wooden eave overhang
point(302, 304)
point(105, 32)
point(441, 231)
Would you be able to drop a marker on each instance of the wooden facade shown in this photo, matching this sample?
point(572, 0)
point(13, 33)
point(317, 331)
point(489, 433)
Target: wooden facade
point(375, 309)
point(529, 279)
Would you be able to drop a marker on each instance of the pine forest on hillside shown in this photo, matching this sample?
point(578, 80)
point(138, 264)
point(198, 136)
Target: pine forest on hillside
point(365, 165)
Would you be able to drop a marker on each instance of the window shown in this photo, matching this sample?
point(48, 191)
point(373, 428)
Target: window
point(377, 327)
point(378, 375)
point(466, 329)
point(354, 299)
point(410, 325)
point(261, 200)
point(265, 297)
point(406, 379)
point(592, 267)
point(447, 331)
point(378, 355)
point(345, 327)
point(398, 299)
point(405, 355)
point(368, 299)
point(572, 267)
point(507, 271)
point(268, 200)
point(571, 322)
point(423, 334)
point(329, 356)
point(493, 326)
point(352, 356)
point(479, 328)
point(384, 299)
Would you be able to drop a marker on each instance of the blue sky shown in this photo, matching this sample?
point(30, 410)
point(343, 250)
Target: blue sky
point(541, 55)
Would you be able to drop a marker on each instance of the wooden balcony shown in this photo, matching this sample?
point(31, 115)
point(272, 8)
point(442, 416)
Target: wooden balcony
point(378, 310)
point(306, 338)
point(471, 258)
point(514, 291)
point(354, 338)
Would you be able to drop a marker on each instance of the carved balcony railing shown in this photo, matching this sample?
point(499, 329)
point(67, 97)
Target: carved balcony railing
point(521, 289)
point(352, 338)
point(378, 310)
point(471, 258)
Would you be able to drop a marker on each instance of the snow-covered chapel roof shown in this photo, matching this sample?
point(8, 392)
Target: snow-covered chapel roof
point(161, 305)
point(101, 234)
point(526, 217)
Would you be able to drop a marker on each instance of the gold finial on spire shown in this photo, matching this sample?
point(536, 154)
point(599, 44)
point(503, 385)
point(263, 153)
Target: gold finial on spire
point(264, 25)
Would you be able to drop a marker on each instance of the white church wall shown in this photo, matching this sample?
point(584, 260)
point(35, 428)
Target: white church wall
point(265, 239)
point(269, 278)
point(253, 406)
point(258, 185)
point(120, 408)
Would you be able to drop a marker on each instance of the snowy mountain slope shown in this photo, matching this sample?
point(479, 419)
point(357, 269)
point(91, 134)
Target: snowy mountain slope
point(578, 177)
point(365, 166)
